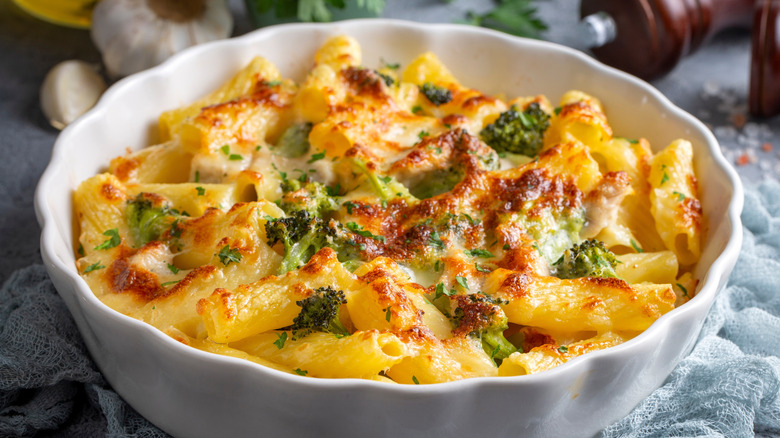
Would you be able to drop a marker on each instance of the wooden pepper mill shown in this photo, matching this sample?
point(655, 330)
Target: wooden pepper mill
point(647, 38)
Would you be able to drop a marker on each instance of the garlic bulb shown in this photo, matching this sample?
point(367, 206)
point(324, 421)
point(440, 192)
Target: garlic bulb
point(68, 91)
point(133, 35)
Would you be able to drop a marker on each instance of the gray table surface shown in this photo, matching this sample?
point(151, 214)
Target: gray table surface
point(712, 84)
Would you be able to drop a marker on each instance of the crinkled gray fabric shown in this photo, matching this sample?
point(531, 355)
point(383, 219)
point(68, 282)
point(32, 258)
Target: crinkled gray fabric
point(48, 383)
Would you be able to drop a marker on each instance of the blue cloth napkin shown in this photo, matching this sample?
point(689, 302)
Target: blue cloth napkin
point(728, 387)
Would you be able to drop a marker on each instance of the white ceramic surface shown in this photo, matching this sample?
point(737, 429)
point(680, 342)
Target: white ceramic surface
point(195, 394)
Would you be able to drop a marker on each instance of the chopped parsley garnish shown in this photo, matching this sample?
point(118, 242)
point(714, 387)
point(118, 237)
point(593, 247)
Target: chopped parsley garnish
point(664, 178)
point(168, 283)
point(388, 314)
point(113, 239)
point(417, 109)
point(300, 372)
point(391, 66)
point(563, 349)
point(358, 229)
point(385, 179)
point(350, 205)
point(173, 268)
point(507, 247)
point(227, 255)
point(481, 268)
point(558, 111)
point(201, 191)
point(93, 267)
point(225, 149)
point(175, 230)
point(680, 196)
point(462, 281)
point(316, 157)
point(272, 83)
point(422, 134)
point(414, 379)
point(435, 240)
point(636, 247)
point(197, 176)
point(479, 252)
point(235, 157)
point(683, 289)
point(282, 338)
point(81, 250)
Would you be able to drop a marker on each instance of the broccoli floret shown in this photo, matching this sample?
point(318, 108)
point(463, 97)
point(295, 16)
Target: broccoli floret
point(294, 142)
point(302, 235)
point(386, 187)
point(320, 313)
point(436, 94)
point(438, 182)
point(147, 222)
point(480, 315)
point(518, 132)
point(588, 259)
point(314, 197)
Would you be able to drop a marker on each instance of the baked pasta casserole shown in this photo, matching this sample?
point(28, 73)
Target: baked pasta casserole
point(391, 224)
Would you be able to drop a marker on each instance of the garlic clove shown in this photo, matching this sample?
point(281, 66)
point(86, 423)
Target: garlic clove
point(69, 90)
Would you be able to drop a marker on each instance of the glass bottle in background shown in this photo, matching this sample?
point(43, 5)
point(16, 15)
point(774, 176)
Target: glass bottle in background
point(72, 13)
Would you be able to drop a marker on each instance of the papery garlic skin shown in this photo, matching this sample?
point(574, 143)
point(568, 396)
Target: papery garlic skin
point(133, 35)
point(69, 90)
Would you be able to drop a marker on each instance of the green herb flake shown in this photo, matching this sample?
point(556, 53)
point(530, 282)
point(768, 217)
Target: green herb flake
point(558, 111)
point(168, 283)
point(414, 379)
point(507, 247)
point(81, 250)
point(227, 255)
point(385, 179)
point(197, 176)
point(664, 178)
point(563, 349)
point(435, 240)
point(258, 147)
point(93, 267)
point(481, 268)
point(113, 239)
point(636, 247)
point(281, 339)
point(632, 141)
point(479, 252)
point(417, 109)
point(437, 266)
point(422, 134)
point(462, 281)
point(683, 289)
point(272, 83)
point(680, 196)
point(388, 314)
point(173, 268)
point(358, 229)
point(225, 149)
point(300, 372)
point(350, 206)
point(201, 191)
point(316, 157)
point(235, 157)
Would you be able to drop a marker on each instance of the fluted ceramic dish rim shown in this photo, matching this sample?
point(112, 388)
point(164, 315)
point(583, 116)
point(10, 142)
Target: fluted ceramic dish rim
point(56, 241)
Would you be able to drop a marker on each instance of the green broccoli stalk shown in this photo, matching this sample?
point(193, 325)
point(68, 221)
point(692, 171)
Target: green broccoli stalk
point(147, 222)
point(518, 132)
point(435, 94)
point(314, 197)
point(386, 187)
point(481, 316)
point(294, 142)
point(588, 259)
point(320, 313)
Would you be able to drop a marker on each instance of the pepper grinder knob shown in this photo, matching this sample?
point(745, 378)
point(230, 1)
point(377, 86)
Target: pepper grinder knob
point(649, 37)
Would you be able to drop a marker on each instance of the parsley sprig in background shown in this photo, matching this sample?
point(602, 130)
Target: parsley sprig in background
point(516, 17)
